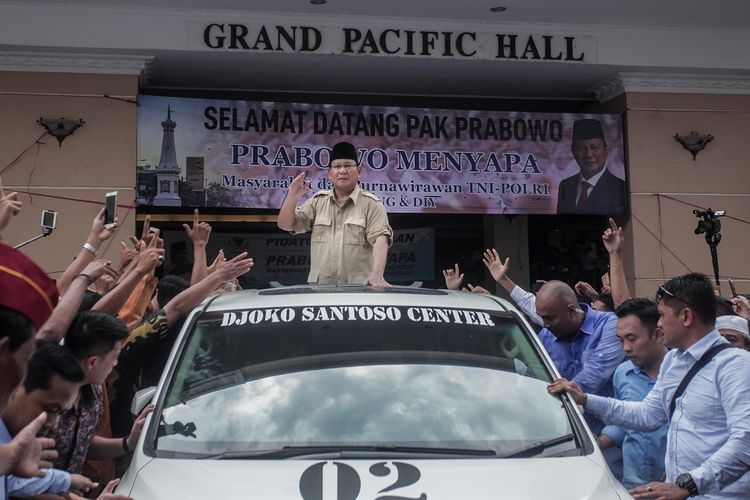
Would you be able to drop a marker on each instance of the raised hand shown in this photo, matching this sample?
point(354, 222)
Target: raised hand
point(299, 186)
point(613, 239)
point(150, 256)
point(585, 289)
point(497, 268)
point(99, 267)
point(215, 264)
point(200, 231)
point(127, 254)
point(10, 205)
point(99, 234)
point(453, 278)
point(230, 269)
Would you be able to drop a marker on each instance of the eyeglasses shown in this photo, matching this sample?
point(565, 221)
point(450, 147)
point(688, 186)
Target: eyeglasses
point(344, 166)
point(663, 291)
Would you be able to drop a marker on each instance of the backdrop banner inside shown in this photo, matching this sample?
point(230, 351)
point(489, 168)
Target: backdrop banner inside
point(285, 258)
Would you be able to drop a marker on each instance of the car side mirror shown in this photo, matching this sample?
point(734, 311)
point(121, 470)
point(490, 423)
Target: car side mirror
point(141, 399)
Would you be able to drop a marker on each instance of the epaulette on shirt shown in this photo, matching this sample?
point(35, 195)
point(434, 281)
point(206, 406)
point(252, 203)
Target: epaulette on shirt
point(370, 195)
point(325, 192)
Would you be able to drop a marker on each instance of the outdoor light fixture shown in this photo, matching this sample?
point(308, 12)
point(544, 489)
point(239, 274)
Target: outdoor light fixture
point(60, 128)
point(695, 142)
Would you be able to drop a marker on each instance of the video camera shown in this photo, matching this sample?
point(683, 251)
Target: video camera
point(709, 223)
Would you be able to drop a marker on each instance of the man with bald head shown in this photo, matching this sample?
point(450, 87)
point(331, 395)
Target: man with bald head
point(582, 342)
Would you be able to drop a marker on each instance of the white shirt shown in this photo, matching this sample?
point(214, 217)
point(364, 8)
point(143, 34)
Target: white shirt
point(709, 432)
point(591, 181)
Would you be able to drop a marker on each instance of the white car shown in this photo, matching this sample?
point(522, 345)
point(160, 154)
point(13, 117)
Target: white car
point(347, 392)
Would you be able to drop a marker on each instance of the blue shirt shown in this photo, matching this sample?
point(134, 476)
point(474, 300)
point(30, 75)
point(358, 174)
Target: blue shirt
point(590, 357)
point(54, 481)
point(642, 452)
point(709, 432)
point(5, 438)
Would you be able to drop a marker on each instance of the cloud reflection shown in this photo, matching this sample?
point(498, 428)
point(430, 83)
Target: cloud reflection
point(426, 405)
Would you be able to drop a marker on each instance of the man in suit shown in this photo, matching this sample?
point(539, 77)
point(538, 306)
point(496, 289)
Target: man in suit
point(595, 190)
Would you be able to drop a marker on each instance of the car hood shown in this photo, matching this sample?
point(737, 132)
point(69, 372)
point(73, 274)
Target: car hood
point(372, 479)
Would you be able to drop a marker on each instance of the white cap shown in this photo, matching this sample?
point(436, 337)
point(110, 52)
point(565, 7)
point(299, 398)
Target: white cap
point(735, 323)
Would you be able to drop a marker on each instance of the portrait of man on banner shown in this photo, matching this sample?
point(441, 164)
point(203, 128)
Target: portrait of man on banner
point(594, 190)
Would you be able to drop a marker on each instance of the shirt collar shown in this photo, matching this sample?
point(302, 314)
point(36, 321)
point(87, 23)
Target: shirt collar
point(637, 370)
point(699, 348)
point(354, 195)
point(593, 179)
point(587, 326)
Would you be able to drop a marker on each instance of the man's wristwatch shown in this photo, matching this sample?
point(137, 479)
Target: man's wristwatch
point(686, 481)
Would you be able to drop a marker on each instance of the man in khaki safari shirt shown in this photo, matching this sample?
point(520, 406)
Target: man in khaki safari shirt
point(350, 230)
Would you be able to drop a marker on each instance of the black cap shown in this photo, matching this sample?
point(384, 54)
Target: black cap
point(587, 128)
point(343, 151)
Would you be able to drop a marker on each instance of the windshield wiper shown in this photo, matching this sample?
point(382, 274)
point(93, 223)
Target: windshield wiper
point(540, 447)
point(339, 451)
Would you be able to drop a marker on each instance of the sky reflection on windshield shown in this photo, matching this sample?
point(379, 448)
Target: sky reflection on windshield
point(420, 404)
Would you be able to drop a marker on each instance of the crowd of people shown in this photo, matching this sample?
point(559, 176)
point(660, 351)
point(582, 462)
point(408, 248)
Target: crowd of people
point(664, 383)
point(73, 352)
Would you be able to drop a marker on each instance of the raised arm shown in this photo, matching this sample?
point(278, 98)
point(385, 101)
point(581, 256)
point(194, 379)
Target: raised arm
point(585, 289)
point(97, 237)
point(614, 241)
point(10, 205)
point(199, 235)
point(148, 259)
point(62, 316)
point(499, 270)
point(225, 270)
point(297, 189)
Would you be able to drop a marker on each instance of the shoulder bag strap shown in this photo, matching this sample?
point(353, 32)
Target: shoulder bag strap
point(707, 356)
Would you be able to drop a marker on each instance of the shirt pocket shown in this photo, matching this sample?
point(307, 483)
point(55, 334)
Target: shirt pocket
point(704, 406)
point(354, 231)
point(321, 231)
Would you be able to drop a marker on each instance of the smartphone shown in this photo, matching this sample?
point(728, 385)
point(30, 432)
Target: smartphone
point(110, 206)
point(154, 230)
point(605, 279)
point(731, 287)
point(49, 219)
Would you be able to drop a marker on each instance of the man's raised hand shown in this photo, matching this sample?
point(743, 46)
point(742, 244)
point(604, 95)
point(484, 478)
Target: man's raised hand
point(497, 268)
point(613, 238)
point(453, 278)
point(299, 186)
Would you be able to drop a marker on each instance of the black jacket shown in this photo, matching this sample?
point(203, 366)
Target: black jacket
point(607, 197)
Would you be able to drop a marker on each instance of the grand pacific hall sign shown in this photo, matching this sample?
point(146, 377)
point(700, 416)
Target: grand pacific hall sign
point(394, 42)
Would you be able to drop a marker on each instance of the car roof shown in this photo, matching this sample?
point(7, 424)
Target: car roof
point(355, 295)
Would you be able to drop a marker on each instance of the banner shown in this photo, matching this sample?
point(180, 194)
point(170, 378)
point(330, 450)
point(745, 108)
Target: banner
point(414, 159)
point(285, 258)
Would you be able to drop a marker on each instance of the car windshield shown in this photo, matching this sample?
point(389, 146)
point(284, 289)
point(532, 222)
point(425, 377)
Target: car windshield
point(394, 377)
